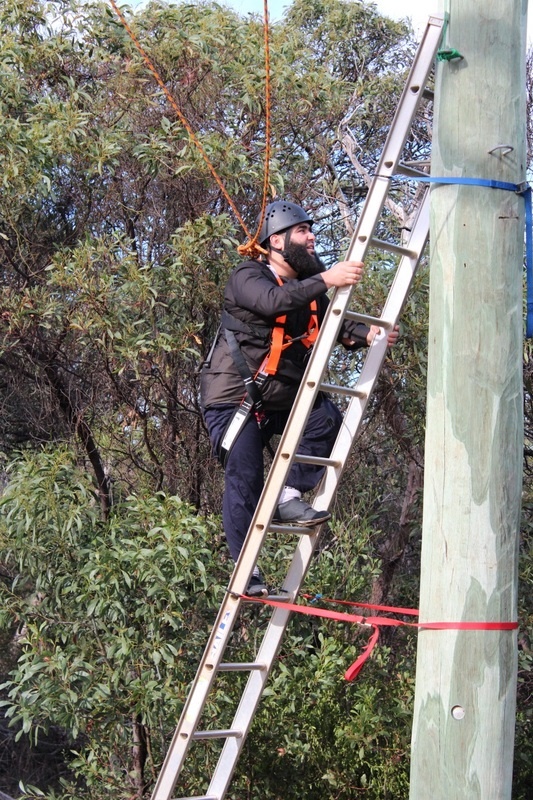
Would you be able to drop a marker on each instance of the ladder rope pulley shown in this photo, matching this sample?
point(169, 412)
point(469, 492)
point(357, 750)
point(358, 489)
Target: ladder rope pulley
point(281, 606)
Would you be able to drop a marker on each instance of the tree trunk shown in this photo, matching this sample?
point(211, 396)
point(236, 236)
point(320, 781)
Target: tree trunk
point(139, 757)
point(82, 430)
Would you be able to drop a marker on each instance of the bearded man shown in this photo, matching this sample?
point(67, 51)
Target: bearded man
point(273, 309)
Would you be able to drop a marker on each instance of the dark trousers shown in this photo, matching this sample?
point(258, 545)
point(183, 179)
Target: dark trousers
point(244, 471)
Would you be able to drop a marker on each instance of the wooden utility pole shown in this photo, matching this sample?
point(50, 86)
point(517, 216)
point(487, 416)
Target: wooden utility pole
point(463, 728)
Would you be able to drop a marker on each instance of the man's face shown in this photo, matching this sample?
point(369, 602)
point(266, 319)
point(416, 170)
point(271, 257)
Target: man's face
point(297, 244)
point(300, 251)
point(303, 235)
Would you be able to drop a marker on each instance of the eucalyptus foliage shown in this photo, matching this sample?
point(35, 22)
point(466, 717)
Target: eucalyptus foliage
point(115, 240)
point(110, 616)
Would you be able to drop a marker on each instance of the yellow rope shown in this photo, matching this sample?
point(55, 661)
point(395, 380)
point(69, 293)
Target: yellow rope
point(252, 248)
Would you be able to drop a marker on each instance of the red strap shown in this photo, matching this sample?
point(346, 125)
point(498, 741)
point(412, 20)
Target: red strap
point(376, 622)
point(392, 609)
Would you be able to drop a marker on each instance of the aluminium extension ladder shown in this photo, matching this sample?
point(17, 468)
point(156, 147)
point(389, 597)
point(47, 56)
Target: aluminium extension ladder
point(410, 253)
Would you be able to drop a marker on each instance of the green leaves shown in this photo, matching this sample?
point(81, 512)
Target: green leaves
point(113, 616)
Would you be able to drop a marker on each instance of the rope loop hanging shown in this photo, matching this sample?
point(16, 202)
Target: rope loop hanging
point(252, 248)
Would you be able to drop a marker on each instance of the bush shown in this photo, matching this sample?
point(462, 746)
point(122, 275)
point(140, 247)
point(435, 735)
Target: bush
point(112, 617)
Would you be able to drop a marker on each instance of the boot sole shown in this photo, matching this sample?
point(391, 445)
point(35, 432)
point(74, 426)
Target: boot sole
point(303, 523)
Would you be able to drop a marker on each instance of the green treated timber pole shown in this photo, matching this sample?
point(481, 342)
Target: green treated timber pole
point(464, 716)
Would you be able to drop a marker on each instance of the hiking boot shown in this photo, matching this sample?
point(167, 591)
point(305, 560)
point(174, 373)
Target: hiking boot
point(298, 512)
point(257, 587)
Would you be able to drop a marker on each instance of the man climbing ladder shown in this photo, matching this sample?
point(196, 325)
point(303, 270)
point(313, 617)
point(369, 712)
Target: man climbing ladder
point(195, 727)
point(273, 309)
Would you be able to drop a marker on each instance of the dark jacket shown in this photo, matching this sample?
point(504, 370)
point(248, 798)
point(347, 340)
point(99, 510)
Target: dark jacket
point(252, 302)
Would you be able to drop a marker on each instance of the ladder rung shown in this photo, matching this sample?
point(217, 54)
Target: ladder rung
point(241, 666)
point(283, 598)
point(368, 320)
point(277, 527)
point(410, 168)
point(349, 391)
point(397, 249)
point(278, 598)
point(223, 734)
point(316, 461)
point(199, 797)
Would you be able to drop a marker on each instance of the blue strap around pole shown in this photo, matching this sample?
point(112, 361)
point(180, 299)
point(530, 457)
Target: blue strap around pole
point(523, 189)
point(529, 261)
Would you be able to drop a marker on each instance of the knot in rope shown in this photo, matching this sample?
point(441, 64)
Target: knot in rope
point(251, 250)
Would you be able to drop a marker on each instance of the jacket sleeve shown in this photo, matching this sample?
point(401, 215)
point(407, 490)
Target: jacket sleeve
point(253, 287)
point(357, 332)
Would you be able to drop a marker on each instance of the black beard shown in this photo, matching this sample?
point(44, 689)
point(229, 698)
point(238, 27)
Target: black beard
point(300, 259)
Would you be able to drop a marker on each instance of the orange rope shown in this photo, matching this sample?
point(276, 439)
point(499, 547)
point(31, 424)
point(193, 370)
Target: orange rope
point(250, 249)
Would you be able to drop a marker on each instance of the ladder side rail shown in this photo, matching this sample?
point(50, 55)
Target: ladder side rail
point(377, 193)
point(413, 91)
point(207, 671)
point(262, 519)
point(267, 653)
point(197, 697)
point(312, 379)
point(251, 696)
point(310, 385)
point(392, 309)
point(408, 265)
point(359, 245)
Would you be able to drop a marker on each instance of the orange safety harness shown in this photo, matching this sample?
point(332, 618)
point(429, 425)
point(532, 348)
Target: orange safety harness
point(253, 398)
point(280, 340)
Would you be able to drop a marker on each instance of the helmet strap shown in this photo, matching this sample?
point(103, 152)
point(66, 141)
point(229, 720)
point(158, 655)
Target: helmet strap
point(283, 253)
point(286, 243)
